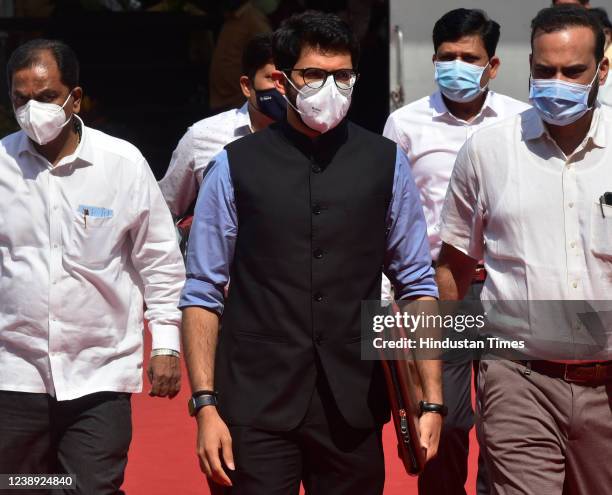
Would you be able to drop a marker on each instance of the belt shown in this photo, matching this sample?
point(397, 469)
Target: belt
point(480, 274)
point(588, 374)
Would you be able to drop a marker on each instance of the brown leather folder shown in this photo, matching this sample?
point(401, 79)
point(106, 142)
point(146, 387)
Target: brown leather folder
point(404, 390)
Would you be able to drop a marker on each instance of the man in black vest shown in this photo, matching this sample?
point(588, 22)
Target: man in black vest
point(303, 217)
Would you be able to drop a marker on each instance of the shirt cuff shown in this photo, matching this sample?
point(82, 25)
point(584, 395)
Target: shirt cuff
point(203, 294)
point(165, 337)
point(420, 293)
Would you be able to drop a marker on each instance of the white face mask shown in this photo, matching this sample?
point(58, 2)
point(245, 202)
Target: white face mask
point(42, 122)
point(323, 108)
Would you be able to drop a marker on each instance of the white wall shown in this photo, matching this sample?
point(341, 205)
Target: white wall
point(416, 19)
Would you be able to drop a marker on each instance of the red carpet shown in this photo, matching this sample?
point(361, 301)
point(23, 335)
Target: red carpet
point(162, 456)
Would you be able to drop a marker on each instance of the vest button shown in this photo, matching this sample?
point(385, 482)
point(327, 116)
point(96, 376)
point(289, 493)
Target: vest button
point(316, 210)
point(318, 297)
point(316, 169)
point(318, 253)
point(318, 338)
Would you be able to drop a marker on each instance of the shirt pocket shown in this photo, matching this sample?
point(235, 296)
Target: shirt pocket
point(601, 230)
point(90, 241)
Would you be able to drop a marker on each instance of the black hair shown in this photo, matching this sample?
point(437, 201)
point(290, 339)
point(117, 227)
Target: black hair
point(458, 23)
point(321, 31)
point(581, 2)
point(28, 55)
point(257, 53)
point(602, 16)
point(553, 19)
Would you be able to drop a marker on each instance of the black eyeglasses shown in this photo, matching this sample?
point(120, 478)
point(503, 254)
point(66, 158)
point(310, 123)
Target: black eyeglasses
point(315, 78)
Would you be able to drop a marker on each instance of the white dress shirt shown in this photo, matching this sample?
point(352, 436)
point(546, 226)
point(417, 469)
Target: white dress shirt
point(431, 137)
point(81, 244)
point(202, 141)
point(533, 213)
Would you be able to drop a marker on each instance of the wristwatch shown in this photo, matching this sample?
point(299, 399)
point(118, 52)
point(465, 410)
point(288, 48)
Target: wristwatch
point(201, 399)
point(425, 407)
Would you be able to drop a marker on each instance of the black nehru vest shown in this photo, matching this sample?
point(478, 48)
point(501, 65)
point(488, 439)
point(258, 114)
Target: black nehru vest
point(310, 247)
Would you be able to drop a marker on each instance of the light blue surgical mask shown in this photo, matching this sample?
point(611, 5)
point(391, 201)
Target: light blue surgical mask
point(459, 81)
point(560, 102)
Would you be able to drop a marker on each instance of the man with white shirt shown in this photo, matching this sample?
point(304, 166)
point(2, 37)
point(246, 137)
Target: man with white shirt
point(431, 131)
point(206, 138)
point(532, 195)
point(85, 236)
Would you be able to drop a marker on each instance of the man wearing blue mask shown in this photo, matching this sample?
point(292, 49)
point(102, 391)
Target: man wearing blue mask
point(302, 215)
point(532, 197)
point(206, 138)
point(431, 131)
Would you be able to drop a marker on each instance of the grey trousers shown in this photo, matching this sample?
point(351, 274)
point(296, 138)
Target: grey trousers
point(88, 437)
point(542, 435)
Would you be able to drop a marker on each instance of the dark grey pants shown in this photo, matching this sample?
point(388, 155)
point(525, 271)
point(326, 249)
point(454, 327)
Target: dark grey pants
point(446, 474)
point(88, 437)
point(329, 456)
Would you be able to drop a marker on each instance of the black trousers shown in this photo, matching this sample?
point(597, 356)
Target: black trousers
point(88, 437)
point(324, 452)
point(447, 473)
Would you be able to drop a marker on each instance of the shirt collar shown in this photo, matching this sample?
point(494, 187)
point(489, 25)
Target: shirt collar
point(439, 108)
point(533, 127)
point(83, 152)
point(243, 118)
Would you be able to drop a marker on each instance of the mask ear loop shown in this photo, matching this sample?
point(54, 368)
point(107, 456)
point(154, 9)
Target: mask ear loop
point(596, 74)
point(69, 95)
point(287, 99)
point(591, 85)
point(486, 86)
point(62, 108)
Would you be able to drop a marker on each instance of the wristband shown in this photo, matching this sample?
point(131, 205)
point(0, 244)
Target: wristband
point(425, 407)
point(165, 352)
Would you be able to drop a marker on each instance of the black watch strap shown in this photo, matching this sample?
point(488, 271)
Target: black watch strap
point(425, 407)
point(204, 392)
point(197, 403)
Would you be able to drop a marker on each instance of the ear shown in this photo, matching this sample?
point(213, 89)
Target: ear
point(530, 61)
point(279, 81)
point(604, 69)
point(433, 58)
point(494, 64)
point(245, 86)
point(77, 99)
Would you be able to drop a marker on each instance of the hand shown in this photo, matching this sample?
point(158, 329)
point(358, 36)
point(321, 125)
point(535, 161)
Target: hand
point(214, 436)
point(164, 374)
point(430, 425)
